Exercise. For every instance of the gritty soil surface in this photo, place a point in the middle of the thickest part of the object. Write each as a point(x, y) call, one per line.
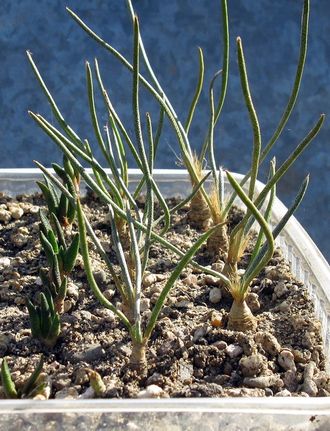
point(190, 354)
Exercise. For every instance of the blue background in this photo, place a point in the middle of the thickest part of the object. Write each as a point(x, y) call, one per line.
point(172, 30)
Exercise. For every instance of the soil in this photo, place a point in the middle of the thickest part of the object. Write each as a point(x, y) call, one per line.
point(190, 354)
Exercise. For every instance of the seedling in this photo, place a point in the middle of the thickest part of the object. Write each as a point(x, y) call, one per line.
point(96, 382)
point(35, 384)
point(57, 203)
point(61, 258)
point(129, 285)
point(133, 264)
point(238, 238)
point(240, 316)
point(44, 319)
point(45, 315)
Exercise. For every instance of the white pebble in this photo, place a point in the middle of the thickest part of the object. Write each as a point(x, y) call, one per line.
point(252, 365)
point(284, 393)
point(73, 291)
point(280, 289)
point(88, 394)
point(5, 216)
point(4, 262)
point(152, 391)
point(149, 280)
point(215, 295)
point(34, 209)
point(286, 360)
point(16, 212)
point(234, 350)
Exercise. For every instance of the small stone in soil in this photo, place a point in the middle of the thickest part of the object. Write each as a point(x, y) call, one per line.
point(16, 212)
point(185, 373)
point(263, 382)
point(100, 276)
point(221, 345)
point(183, 304)
point(290, 380)
point(252, 300)
point(155, 379)
point(245, 392)
point(210, 280)
point(91, 353)
point(152, 391)
point(5, 216)
point(199, 333)
point(286, 360)
point(38, 281)
point(252, 365)
point(73, 290)
point(268, 342)
point(190, 280)
point(218, 266)
point(234, 350)
point(67, 393)
point(149, 279)
point(284, 393)
point(4, 262)
point(215, 295)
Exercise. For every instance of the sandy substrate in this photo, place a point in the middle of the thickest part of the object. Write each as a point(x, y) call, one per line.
point(190, 354)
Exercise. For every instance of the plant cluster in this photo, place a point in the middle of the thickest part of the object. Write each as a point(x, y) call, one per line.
point(134, 231)
point(61, 258)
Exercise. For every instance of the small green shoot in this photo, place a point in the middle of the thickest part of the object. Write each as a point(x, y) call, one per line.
point(33, 386)
point(61, 258)
point(44, 319)
point(56, 201)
